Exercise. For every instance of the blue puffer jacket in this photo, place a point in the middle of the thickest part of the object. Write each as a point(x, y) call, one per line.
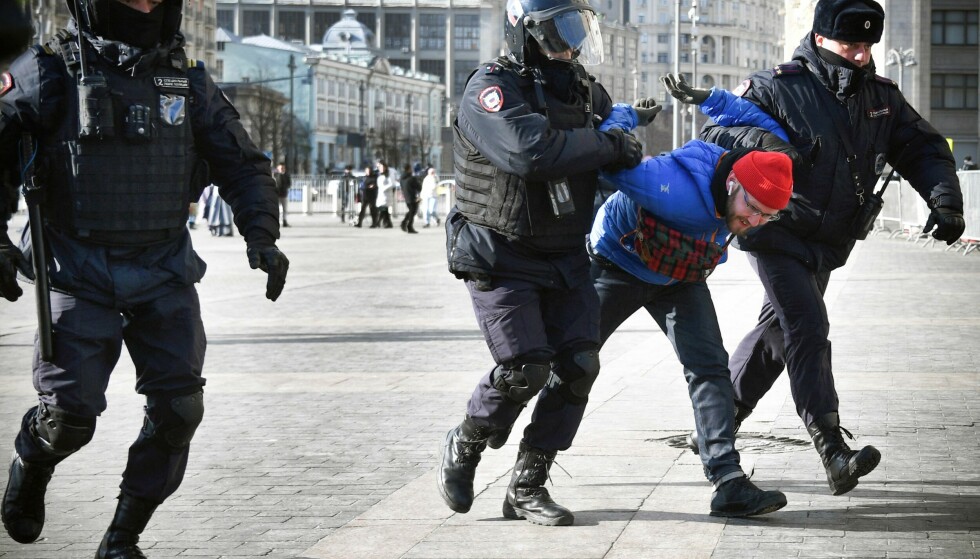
point(675, 187)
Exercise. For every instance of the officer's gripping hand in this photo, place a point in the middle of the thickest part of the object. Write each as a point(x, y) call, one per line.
point(647, 110)
point(273, 262)
point(680, 90)
point(12, 260)
point(948, 222)
point(628, 149)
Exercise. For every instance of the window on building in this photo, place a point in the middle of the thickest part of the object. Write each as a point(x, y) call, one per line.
point(461, 71)
point(398, 31)
point(432, 32)
point(954, 91)
point(255, 22)
point(226, 19)
point(955, 27)
point(663, 57)
point(466, 32)
point(404, 63)
point(369, 21)
point(321, 22)
point(291, 25)
point(663, 38)
point(435, 67)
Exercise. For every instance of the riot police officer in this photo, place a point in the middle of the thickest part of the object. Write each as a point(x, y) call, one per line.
point(526, 157)
point(120, 127)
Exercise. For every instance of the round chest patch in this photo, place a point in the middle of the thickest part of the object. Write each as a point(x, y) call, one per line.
point(491, 99)
point(6, 82)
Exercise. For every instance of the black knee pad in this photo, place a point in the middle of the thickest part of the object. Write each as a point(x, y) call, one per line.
point(521, 380)
point(59, 432)
point(575, 373)
point(171, 420)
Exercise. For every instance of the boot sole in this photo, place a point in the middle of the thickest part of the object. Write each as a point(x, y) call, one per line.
point(456, 507)
point(19, 538)
point(865, 462)
point(512, 513)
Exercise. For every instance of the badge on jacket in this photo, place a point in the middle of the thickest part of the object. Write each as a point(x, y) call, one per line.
point(491, 99)
point(742, 88)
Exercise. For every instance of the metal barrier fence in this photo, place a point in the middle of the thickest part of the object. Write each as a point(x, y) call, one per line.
point(326, 194)
point(905, 213)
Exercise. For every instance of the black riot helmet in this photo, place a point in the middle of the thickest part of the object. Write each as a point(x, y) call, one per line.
point(557, 26)
point(115, 21)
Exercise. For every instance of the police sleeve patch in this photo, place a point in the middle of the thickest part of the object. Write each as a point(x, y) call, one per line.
point(742, 88)
point(491, 99)
point(6, 83)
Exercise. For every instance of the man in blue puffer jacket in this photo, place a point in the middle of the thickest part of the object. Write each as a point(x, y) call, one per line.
point(655, 241)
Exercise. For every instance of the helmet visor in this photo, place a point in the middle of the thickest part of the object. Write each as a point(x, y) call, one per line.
point(572, 35)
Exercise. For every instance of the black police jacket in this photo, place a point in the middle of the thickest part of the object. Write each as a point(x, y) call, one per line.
point(883, 128)
point(512, 137)
point(40, 101)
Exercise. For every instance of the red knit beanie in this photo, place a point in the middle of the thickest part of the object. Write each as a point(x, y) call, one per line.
point(767, 176)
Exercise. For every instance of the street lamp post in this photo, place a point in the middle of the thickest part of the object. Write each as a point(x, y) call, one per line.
point(290, 156)
point(693, 15)
point(408, 134)
point(677, 72)
point(902, 58)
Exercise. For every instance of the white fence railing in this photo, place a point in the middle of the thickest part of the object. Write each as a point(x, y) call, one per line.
point(326, 194)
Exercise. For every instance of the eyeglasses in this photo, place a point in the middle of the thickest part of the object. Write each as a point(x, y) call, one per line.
point(755, 210)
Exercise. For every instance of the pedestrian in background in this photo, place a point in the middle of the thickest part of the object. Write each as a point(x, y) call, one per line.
point(386, 195)
point(411, 189)
point(844, 123)
point(369, 197)
point(120, 261)
point(968, 164)
point(283, 183)
point(527, 161)
point(429, 198)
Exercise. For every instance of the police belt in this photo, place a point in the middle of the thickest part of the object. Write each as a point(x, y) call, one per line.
point(601, 261)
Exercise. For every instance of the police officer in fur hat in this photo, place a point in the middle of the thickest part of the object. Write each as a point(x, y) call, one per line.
point(844, 123)
point(119, 129)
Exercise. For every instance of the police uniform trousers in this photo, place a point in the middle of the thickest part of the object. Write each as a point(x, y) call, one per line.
point(792, 332)
point(165, 338)
point(686, 314)
point(521, 318)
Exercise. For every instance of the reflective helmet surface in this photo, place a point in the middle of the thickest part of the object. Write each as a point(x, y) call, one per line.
point(557, 26)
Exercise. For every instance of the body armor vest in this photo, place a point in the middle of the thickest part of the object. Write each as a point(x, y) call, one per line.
point(515, 208)
point(129, 151)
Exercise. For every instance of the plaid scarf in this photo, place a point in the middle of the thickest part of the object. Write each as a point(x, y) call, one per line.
point(671, 253)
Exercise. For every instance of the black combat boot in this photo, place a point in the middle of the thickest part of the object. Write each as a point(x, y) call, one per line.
point(740, 497)
point(119, 542)
point(498, 437)
point(741, 414)
point(844, 466)
point(23, 501)
point(526, 495)
point(458, 458)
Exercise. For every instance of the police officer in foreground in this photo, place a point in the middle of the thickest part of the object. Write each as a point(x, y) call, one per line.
point(120, 127)
point(526, 156)
point(844, 123)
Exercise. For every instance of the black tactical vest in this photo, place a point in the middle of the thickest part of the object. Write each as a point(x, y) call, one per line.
point(492, 198)
point(128, 185)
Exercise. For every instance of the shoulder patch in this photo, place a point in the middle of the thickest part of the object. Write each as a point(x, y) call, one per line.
point(6, 83)
point(742, 88)
point(491, 98)
point(884, 80)
point(492, 68)
point(195, 63)
point(788, 69)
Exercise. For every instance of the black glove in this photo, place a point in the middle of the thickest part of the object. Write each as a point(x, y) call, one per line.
point(647, 109)
point(628, 149)
point(680, 90)
point(948, 222)
point(273, 262)
point(12, 260)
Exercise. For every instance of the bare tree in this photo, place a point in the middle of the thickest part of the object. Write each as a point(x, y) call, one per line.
point(422, 142)
point(388, 142)
point(262, 111)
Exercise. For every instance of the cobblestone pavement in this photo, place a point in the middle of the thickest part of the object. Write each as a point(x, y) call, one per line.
point(325, 411)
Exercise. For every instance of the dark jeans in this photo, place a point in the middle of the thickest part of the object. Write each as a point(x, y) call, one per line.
point(686, 314)
point(792, 332)
point(165, 339)
point(369, 202)
point(519, 319)
point(408, 222)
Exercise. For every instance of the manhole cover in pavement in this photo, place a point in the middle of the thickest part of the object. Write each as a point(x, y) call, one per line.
point(751, 442)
